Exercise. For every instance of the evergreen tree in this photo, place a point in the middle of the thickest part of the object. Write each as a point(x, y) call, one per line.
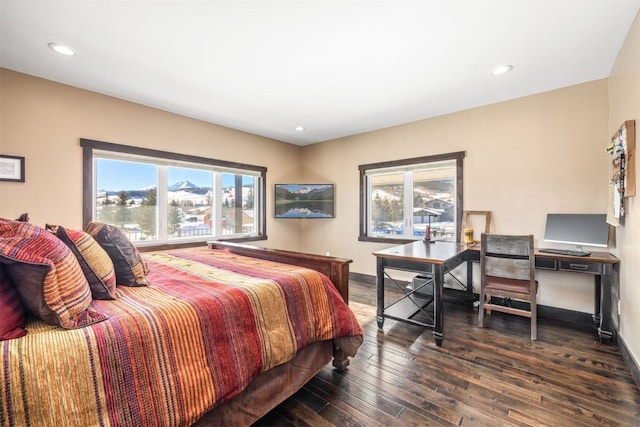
point(396, 212)
point(378, 213)
point(249, 202)
point(147, 218)
point(104, 210)
point(174, 217)
point(106, 214)
point(386, 211)
point(122, 215)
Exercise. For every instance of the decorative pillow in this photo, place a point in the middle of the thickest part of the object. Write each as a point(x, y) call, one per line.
point(129, 265)
point(46, 275)
point(12, 323)
point(94, 261)
point(22, 218)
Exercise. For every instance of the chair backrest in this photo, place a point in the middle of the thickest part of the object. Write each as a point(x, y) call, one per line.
point(507, 256)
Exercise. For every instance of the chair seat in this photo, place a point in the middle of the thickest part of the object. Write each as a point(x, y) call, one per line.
point(507, 285)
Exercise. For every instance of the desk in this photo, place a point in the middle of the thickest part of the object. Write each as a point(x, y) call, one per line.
point(419, 257)
point(436, 259)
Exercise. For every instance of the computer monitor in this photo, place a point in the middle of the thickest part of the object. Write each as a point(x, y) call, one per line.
point(577, 229)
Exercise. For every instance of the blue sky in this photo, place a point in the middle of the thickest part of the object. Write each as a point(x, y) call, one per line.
point(117, 175)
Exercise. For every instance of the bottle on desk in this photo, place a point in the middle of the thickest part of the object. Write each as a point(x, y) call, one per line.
point(468, 236)
point(427, 235)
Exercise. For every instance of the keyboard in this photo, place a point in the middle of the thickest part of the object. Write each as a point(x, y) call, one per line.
point(564, 252)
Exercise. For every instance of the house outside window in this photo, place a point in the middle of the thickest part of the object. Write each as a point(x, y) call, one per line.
point(401, 199)
point(161, 198)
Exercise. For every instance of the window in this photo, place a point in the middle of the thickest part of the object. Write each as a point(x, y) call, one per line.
point(399, 199)
point(159, 198)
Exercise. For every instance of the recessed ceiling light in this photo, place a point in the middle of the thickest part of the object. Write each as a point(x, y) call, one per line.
point(501, 69)
point(61, 49)
point(300, 128)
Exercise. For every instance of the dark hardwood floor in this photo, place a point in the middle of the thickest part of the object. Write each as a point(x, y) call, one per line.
point(479, 377)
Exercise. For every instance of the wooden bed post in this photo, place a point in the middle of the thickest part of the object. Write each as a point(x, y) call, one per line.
point(340, 359)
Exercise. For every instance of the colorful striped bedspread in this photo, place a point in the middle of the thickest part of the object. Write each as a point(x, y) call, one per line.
point(207, 325)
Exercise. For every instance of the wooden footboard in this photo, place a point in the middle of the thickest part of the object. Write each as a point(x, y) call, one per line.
point(337, 269)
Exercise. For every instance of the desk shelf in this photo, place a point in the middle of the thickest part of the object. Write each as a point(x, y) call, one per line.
point(405, 309)
point(418, 296)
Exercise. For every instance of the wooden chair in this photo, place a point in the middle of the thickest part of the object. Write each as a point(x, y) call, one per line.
point(507, 270)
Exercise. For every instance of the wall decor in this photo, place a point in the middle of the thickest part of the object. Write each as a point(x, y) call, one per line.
point(295, 201)
point(11, 168)
point(622, 170)
point(467, 224)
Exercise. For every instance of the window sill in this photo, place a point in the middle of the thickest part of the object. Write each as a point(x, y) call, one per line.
point(193, 244)
point(385, 240)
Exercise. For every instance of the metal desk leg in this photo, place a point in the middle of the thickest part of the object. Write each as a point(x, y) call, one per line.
point(469, 277)
point(597, 298)
point(438, 293)
point(380, 292)
point(604, 282)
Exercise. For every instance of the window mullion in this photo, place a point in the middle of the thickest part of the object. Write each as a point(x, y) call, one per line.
point(163, 203)
point(94, 172)
point(408, 204)
point(216, 204)
point(369, 203)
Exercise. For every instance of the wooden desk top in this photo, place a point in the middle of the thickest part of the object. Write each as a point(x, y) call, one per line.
point(602, 257)
point(440, 252)
point(433, 253)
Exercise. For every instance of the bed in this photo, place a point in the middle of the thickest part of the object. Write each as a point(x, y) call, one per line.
point(217, 335)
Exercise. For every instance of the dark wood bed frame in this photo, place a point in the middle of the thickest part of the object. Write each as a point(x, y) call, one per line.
point(337, 269)
point(271, 388)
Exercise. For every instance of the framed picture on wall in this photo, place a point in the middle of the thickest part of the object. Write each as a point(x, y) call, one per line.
point(622, 171)
point(11, 168)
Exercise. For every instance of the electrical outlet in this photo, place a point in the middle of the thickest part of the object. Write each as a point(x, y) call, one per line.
point(327, 253)
point(618, 307)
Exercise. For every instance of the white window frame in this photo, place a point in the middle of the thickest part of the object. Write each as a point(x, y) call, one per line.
point(407, 167)
point(92, 150)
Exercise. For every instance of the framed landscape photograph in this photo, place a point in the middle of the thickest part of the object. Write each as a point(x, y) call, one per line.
point(304, 201)
point(11, 168)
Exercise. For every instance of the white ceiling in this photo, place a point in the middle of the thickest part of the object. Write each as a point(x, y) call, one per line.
point(337, 68)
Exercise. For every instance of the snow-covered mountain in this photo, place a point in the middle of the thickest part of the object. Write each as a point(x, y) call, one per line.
point(301, 190)
point(311, 190)
point(180, 191)
point(183, 185)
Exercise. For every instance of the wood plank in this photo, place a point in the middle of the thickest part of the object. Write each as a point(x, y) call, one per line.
point(478, 377)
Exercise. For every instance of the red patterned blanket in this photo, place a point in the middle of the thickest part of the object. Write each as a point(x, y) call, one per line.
point(207, 325)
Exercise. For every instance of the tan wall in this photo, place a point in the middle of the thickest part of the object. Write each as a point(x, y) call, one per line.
point(524, 158)
point(624, 104)
point(44, 121)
